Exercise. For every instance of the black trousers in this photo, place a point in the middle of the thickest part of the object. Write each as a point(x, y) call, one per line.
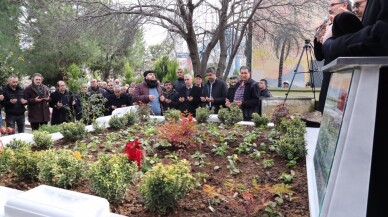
point(36, 125)
point(10, 121)
point(324, 89)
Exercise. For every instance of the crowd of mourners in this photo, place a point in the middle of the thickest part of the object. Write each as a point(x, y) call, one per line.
point(185, 94)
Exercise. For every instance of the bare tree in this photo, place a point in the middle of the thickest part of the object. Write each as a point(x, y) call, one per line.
point(205, 21)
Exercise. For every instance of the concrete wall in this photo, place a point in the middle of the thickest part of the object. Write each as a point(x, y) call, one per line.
point(298, 105)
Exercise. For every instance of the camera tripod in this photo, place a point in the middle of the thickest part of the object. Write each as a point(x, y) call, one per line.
point(312, 68)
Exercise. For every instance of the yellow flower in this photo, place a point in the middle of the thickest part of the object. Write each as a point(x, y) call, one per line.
point(77, 154)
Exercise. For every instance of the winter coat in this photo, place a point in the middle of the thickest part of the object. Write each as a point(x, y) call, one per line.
point(173, 96)
point(179, 83)
point(251, 98)
point(142, 92)
point(369, 41)
point(63, 113)
point(187, 105)
point(118, 102)
point(37, 111)
point(219, 93)
point(13, 108)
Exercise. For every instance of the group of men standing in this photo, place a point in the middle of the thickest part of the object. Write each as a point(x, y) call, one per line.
point(184, 95)
point(14, 99)
point(187, 95)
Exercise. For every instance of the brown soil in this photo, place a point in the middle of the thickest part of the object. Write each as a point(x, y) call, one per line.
point(197, 202)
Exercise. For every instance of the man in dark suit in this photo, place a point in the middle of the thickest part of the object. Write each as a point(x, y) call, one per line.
point(189, 96)
point(214, 91)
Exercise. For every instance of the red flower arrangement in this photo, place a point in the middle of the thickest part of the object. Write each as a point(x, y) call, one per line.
point(6, 131)
point(134, 152)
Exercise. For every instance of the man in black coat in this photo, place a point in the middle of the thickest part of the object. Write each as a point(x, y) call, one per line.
point(179, 83)
point(14, 104)
point(117, 100)
point(171, 96)
point(189, 96)
point(214, 91)
point(246, 94)
point(372, 40)
point(62, 102)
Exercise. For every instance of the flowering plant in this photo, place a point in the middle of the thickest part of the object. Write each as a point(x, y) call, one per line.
point(134, 152)
point(179, 134)
point(7, 130)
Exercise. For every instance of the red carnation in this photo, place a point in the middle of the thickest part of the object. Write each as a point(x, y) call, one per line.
point(134, 152)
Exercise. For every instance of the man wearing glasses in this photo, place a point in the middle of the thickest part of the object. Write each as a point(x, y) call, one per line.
point(335, 5)
point(359, 7)
point(334, 9)
point(372, 40)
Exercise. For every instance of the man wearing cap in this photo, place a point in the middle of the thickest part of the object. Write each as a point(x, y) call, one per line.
point(198, 81)
point(286, 84)
point(214, 91)
point(149, 92)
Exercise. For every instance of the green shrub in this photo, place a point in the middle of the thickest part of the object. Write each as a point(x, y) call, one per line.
point(61, 168)
point(163, 186)
point(42, 139)
point(292, 144)
point(260, 120)
point(97, 127)
point(131, 117)
point(6, 155)
point(292, 127)
point(111, 175)
point(291, 147)
point(116, 122)
point(50, 128)
point(202, 114)
point(143, 112)
point(230, 116)
point(16, 144)
point(25, 163)
point(92, 107)
point(73, 131)
point(172, 115)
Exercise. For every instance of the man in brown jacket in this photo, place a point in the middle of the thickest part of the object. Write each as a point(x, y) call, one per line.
point(37, 96)
point(149, 92)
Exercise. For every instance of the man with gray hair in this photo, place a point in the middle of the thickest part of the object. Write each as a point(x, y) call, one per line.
point(95, 89)
point(37, 96)
point(117, 100)
point(189, 96)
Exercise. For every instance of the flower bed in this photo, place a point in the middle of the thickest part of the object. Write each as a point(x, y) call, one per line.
point(236, 170)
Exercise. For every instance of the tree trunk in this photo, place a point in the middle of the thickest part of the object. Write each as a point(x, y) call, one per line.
point(281, 61)
point(223, 54)
point(248, 46)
